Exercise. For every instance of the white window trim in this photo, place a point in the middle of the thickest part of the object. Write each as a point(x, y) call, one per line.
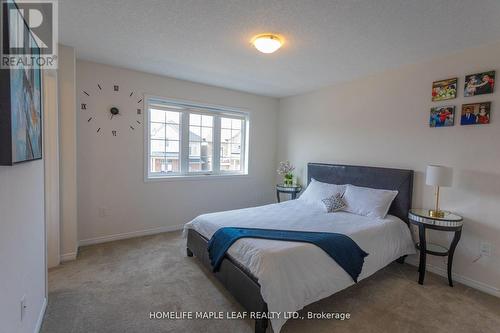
point(199, 108)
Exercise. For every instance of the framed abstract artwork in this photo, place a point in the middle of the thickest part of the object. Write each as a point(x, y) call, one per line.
point(479, 84)
point(444, 89)
point(442, 116)
point(20, 105)
point(475, 113)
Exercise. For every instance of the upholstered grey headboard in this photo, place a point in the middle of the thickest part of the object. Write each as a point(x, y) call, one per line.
point(374, 177)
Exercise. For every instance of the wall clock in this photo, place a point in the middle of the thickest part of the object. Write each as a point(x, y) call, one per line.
point(105, 105)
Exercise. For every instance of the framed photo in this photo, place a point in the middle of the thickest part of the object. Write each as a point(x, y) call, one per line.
point(442, 116)
point(475, 114)
point(20, 104)
point(479, 84)
point(444, 90)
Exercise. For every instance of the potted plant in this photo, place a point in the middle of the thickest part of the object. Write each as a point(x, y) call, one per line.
point(285, 169)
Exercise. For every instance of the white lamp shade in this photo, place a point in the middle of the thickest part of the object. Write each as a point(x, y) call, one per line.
point(438, 175)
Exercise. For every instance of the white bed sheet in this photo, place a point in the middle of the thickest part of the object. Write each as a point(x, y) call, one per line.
point(292, 274)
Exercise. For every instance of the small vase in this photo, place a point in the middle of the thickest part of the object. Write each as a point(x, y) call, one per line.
point(288, 180)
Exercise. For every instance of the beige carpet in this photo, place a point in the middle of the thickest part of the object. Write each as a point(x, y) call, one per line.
point(112, 287)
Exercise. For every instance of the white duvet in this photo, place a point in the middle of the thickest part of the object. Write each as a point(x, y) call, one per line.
point(292, 274)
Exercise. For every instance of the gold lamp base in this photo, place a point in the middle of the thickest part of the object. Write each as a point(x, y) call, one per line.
point(436, 213)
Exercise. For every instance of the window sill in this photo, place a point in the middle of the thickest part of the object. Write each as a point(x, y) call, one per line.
point(149, 179)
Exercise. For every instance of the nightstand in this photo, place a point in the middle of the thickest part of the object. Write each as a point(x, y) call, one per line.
point(288, 189)
point(450, 223)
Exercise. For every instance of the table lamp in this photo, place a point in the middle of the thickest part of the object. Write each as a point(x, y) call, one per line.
point(437, 175)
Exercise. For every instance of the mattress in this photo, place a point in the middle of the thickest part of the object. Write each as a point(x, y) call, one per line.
point(292, 274)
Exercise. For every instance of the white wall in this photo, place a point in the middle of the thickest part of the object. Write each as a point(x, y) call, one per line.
point(382, 120)
point(110, 169)
point(67, 153)
point(22, 246)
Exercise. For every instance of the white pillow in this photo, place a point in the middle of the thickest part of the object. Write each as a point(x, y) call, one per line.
point(368, 201)
point(317, 191)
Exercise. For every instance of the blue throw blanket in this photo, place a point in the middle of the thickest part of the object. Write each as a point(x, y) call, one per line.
point(340, 247)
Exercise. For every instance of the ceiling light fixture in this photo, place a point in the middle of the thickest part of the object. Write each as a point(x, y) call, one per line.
point(267, 43)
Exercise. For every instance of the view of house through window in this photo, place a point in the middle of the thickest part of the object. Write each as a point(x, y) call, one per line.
point(185, 140)
point(200, 142)
point(164, 140)
point(230, 144)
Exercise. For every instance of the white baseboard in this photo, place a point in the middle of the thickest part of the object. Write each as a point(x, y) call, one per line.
point(39, 321)
point(459, 278)
point(125, 235)
point(68, 256)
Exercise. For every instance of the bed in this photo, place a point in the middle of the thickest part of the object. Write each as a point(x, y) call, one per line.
point(270, 276)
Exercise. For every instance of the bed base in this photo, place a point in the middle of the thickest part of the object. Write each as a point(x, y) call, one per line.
point(235, 278)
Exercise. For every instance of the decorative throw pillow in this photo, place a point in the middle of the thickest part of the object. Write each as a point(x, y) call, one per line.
point(334, 203)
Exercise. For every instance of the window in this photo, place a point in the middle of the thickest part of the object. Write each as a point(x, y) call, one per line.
point(230, 144)
point(189, 139)
point(165, 140)
point(200, 142)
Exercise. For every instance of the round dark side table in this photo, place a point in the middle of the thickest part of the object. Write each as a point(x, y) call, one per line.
point(293, 190)
point(450, 223)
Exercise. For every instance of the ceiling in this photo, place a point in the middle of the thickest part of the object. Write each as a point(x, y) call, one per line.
point(327, 41)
